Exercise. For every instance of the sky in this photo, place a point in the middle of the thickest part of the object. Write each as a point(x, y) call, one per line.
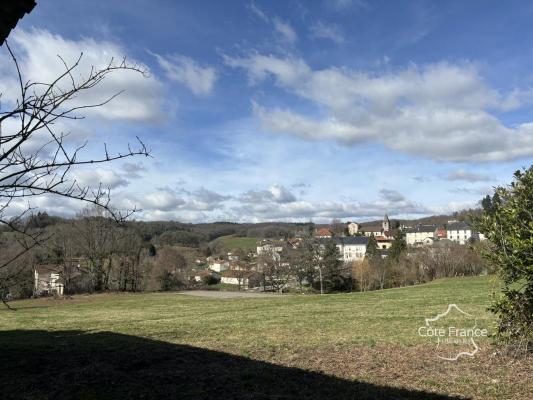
point(293, 110)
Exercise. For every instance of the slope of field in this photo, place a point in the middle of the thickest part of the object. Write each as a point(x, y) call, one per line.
point(362, 342)
point(233, 242)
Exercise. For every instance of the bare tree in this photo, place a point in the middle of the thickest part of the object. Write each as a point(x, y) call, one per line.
point(243, 266)
point(338, 227)
point(97, 239)
point(275, 268)
point(36, 159)
point(171, 268)
point(63, 251)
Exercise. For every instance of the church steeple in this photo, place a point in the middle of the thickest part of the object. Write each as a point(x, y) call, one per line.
point(386, 223)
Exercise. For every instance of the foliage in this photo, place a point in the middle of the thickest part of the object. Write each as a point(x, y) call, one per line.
point(372, 247)
point(210, 280)
point(225, 231)
point(507, 223)
point(183, 238)
point(168, 281)
point(398, 246)
point(304, 267)
point(335, 274)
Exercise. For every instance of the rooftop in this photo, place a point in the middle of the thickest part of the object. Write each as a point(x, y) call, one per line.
point(372, 228)
point(353, 240)
point(457, 226)
point(421, 228)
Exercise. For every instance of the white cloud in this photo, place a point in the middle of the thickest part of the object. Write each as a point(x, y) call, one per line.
point(343, 5)
point(94, 177)
point(258, 12)
point(463, 175)
point(203, 199)
point(439, 111)
point(166, 203)
point(161, 200)
point(517, 99)
point(391, 195)
point(133, 170)
point(199, 79)
point(278, 203)
point(285, 30)
point(277, 194)
point(38, 50)
point(323, 210)
point(322, 30)
point(477, 191)
point(422, 178)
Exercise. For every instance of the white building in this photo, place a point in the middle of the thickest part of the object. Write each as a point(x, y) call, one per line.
point(377, 230)
point(47, 281)
point(429, 241)
point(460, 232)
point(218, 265)
point(198, 276)
point(384, 243)
point(419, 234)
point(372, 230)
point(353, 228)
point(352, 248)
point(270, 247)
point(247, 279)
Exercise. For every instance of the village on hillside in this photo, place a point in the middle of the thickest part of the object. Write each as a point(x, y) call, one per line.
point(247, 270)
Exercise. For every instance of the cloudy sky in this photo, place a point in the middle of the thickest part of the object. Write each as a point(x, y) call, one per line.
point(294, 110)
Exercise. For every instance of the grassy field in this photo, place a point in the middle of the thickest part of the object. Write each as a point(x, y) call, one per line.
point(232, 242)
point(358, 343)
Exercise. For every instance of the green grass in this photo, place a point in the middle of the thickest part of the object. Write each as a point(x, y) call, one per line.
point(245, 325)
point(170, 345)
point(232, 242)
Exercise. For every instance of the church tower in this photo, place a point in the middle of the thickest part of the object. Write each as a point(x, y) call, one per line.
point(386, 223)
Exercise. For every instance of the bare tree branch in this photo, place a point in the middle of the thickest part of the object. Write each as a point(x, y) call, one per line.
point(37, 160)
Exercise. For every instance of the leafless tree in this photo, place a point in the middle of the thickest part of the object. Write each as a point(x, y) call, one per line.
point(243, 266)
point(338, 227)
point(170, 268)
point(62, 250)
point(36, 158)
point(15, 277)
point(97, 240)
point(276, 268)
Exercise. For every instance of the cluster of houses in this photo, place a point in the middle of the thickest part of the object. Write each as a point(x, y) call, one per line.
point(352, 246)
point(224, 270)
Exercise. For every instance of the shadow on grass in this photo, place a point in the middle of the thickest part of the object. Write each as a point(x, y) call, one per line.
point(82, 365)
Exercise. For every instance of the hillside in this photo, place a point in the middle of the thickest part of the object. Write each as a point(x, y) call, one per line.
point(232, 242)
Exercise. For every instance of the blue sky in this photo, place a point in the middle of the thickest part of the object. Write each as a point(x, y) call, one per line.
point(297, 110)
